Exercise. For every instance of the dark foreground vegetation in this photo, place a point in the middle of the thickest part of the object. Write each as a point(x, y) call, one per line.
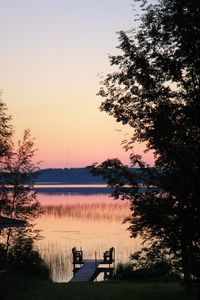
point(20, 287)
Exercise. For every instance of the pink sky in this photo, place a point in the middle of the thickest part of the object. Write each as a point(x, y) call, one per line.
point(51, 55)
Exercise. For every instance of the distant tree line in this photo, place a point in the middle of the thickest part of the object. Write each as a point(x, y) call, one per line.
point(69, 176)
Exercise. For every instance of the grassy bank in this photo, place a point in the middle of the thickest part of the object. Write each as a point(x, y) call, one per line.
point(26, 288)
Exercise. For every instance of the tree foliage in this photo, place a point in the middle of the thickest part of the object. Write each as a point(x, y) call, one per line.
point(17, 189)
point(5, 131)
point(156, 90)
point(18, 199)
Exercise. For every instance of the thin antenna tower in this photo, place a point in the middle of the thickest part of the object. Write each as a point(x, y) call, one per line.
point(67, 159)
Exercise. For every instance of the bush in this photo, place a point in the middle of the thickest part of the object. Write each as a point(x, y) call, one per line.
point(148, 263)
point(124, 271)
point(22, 257)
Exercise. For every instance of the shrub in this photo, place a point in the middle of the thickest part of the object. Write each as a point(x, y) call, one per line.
point(22, 257)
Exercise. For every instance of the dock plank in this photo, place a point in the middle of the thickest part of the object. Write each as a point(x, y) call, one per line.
point(87, 271)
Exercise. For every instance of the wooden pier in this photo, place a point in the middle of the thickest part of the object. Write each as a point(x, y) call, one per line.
point(85, 270)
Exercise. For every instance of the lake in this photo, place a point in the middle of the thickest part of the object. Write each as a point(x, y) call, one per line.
point(85, 217)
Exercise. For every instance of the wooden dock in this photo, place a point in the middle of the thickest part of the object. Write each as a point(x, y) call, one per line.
point(87, 272)
point(88, 269)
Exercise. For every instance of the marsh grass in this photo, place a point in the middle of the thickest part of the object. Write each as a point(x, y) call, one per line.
point(58, 261)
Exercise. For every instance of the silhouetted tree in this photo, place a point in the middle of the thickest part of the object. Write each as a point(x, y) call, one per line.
point(18, 199)
point(5, 131)
point(18, 195)
point(156, 90)
point(5, 140)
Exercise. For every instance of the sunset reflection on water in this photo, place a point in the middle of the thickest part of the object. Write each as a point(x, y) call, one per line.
point(91, 222)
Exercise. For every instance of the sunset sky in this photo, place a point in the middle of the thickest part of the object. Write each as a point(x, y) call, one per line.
point(51, 54)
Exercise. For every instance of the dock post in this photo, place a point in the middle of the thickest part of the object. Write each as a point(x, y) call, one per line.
point(95, 255)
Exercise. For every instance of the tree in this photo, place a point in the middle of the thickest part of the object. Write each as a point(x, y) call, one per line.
point(18, 199)
point(5, 131)
point(18, 195)
point(5, 139)
point(156, 90)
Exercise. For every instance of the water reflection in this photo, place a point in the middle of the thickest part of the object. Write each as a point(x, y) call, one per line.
point(92, 222)
point(75, 189)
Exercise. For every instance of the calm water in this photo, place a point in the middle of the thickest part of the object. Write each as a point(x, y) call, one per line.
point(84, 217)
